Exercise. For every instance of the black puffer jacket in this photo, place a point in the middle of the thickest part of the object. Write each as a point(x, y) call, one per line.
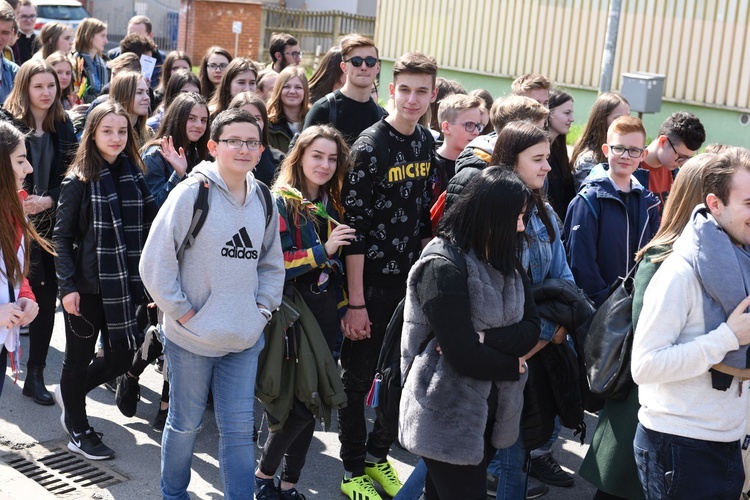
point(561, 302)
point(472, 159)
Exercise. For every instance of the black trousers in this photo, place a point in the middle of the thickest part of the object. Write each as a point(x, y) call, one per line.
point(358, 362)
point(40, 330)
point(290, 444)
point(80, 374)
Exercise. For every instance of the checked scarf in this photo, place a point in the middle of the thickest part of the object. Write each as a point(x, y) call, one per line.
point(120, 228)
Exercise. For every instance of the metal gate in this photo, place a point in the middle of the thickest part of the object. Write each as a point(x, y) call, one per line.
point(164, 15)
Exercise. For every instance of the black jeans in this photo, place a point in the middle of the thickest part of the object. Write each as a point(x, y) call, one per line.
point(40, 330)
point(290, 444)
point(358, 362)
point(80, 374)
point(324, 308)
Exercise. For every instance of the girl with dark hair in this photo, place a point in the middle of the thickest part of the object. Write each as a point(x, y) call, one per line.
point(180, 143)
point(182, 81)
point(466, 330)
point(34, 107)
point(240, 76)
point(588, 150)
point(213, 65)
point(487, 101)
point(130, 90)
point(287, 107)
point(271, 158)
point(560, 186)
point(525, 149)
point(17, 302)
point(328, 76)
point(174, 61)
point(312, 245)
point(104, 215)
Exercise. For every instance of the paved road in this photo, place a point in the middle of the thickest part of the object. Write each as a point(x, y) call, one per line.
point(27, 426)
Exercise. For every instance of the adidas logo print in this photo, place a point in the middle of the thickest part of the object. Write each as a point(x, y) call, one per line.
point(240, 246)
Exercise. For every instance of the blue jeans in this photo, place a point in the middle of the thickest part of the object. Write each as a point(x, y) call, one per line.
point(508, 467)
point(414, 485)
point(672, 466)
point(231, 378)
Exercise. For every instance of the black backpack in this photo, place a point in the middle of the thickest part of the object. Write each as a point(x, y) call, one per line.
point(200, 210)
point(385, 392)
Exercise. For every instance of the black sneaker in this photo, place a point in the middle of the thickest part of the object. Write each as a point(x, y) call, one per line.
point(89, 444)
point(127, 394)
point(547, 470)
point(266, 489)
point(159, 364)
point(111, 385)
point(160, 420)
point(291, 494)
point(491, 485)
point(536, 490)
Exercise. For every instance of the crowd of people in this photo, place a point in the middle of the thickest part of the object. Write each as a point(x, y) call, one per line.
point(254, 233)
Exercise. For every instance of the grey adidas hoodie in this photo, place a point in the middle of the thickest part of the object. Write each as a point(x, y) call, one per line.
point(235, 262)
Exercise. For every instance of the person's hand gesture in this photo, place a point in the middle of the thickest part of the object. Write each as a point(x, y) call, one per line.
point(341, 235)
point(30, 310)
point(10, 315)
point(177, 160)
point(739, 322)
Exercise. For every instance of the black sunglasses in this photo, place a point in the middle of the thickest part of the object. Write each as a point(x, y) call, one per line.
point(357, 61)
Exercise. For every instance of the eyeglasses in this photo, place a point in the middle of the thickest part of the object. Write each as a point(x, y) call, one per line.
point(357, 61)
point(621, 150)
point(238, 143)
point(296, 55)
point(470, 126)
point(214, 67)
point(680, 157)
point(27, 18)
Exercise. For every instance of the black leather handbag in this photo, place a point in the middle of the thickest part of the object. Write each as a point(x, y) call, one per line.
point(609, 342)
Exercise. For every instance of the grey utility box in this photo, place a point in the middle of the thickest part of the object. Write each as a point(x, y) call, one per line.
point(643, 90)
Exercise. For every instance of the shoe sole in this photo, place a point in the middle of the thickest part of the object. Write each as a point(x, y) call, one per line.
point(43, 402)
point(76, 449)
point(59, 401)
point(565, 484)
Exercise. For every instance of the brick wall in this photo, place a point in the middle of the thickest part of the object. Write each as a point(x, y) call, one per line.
point(204, 23)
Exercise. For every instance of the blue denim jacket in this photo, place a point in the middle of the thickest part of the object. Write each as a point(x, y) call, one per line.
point(544, 259)
point(9, 70)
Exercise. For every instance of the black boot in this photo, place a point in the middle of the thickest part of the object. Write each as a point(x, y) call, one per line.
point(34, 385)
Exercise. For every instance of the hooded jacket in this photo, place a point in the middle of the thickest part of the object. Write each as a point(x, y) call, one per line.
point(597, 232)
point(472, 159)
point(234, 263)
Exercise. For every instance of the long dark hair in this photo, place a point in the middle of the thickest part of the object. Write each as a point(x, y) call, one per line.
point(223, 93)
point(166, 72)
point(559, 148)
point(89, 161)
point(180, 78)
point(512, 140)
point(485, 217)
point(245, 98)
point(326, 75)
point(595, 132)
point(11, 210)
point(174, 124)
point(207, 87)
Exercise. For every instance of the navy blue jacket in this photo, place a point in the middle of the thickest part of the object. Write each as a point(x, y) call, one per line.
point(596, 232)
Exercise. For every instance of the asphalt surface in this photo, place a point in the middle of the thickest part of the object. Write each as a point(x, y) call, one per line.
point(25, 427)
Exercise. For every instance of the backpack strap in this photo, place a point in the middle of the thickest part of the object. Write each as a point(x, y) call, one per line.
point(267, 200)
point(447, 250)
point(331, 98)
point(200, 212)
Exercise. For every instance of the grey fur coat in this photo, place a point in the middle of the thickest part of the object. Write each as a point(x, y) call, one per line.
point(443, 414)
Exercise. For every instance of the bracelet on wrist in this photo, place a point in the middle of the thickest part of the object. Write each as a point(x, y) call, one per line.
point(363, 306)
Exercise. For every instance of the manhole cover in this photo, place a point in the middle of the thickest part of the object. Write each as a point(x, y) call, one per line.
point(60, 471)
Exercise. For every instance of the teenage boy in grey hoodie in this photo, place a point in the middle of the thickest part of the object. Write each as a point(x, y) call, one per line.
point(216, 300)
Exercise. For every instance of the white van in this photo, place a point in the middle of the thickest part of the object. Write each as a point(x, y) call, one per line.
point(70, 12)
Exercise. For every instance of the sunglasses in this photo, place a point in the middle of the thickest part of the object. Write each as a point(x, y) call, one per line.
point(357, 61)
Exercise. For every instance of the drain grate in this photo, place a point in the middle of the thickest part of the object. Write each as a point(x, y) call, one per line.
point(60, 471)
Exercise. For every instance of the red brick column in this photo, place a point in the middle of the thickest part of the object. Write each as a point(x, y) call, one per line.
point(204, 23)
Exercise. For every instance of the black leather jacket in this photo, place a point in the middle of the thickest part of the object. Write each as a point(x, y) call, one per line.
point(75, 243)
